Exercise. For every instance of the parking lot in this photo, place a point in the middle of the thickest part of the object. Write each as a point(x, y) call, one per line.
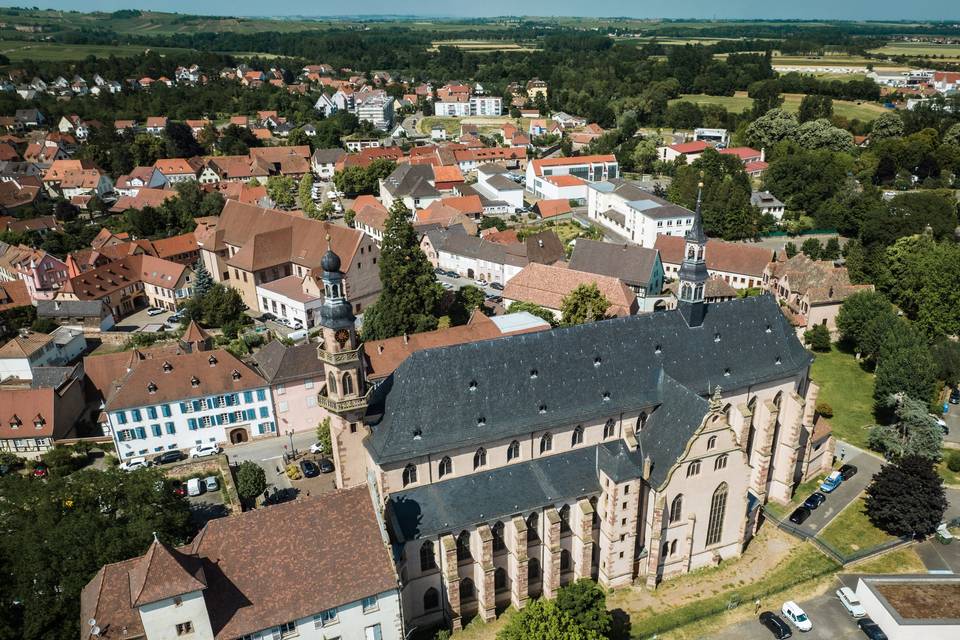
point(141, 319)
point(847, 492)
point(830, 619)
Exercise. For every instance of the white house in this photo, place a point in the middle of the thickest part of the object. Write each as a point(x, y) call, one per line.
point(692, 150)
point(635, 214)
point(289, 298)
point(493, 183)
point(323, 162)
point(325, 105)
point(461, 106)
point(178, 402)
point(767, 203)
point(264, 557)
point(32, 349)
point(540, 174)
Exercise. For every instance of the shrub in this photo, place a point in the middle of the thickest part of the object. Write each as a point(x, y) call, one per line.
point(953, 461)
point(818, 337)
point(824, 409)
point(251, 480)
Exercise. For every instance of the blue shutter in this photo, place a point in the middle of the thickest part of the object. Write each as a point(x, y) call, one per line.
point(152, 413)
point(248, 396)
point(121, 417)
point(249, 414)
point(156, 430)
point(141, 433)
point(171, 428)
point(192, 424)
point(219, 418)
point(261, 395)
point(264, 412)
point(196, 405)
point(232, 417)
point(137, 416)
point(166, 411)
point(183, 407)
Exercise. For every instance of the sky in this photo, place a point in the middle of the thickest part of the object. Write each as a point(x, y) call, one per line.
point(704, 9)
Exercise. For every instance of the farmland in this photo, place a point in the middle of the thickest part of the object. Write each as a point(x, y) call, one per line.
point(18, 50)
point(920, 50)
point(481, 46)
point(740, 101)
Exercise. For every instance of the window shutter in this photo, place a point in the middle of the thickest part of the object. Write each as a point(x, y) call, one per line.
point(192, 424)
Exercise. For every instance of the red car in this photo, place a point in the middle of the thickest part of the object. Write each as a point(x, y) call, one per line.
point(179, 489)
point(40, 472)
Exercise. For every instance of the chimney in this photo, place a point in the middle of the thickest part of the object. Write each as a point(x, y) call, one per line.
point(647, 467)
point(380, 348)
point(406, 338)
point(763, 154)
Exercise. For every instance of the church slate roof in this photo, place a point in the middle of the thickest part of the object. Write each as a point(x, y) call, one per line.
point(427, 404)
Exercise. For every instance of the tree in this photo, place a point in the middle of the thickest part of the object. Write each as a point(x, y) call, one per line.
point(831, 250)
point(946, 354)
point(584, 304)
point(814, 107)
point(906, 498)
point(888, 125)
point(281, 190)
point(727, 211)
point(349, 216)
point(305, 194)
point(115, 515)
point(811, 247)
point(771, 127)
point(324, 436)
point(586, 603)
point(915, 432)
point(904, 365)
point(818, 337)
point(952, 136)
point(219, 307)
point(534, 309)
point(766, 96)
point(202, 281)
point(180, 141)
point(857, 311)
point(821, 134)
point(251, 480)
point(790, 249)
point(410, 294)
point(544, 620)
point(644, 156)
point(465, 301)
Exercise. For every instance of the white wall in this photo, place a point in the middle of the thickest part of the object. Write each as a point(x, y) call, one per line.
point(160, 619)
point(284, 307)
point(352, 623)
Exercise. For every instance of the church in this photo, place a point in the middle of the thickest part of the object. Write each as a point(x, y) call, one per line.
point(626, 450)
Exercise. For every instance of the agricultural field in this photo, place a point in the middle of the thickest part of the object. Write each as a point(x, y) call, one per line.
point(18, 50)
point(920, 49)
point(740, 101)
point(481, 46)
point(485, 124)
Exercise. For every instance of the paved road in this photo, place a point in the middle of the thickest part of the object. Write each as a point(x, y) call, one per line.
point(952, 418)
point(847, 492)
point(268, 453)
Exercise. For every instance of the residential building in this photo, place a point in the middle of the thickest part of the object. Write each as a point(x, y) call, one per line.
point(43, 272)
point(810, 291)
point(690, 150)
point(767, 203)
point(176, 170)
point(132, 283)
point(180, 401)
point(548, 285)
point(640, 269)
point(414, 184)
point(635, 214)
point(323, 162)
point(376, 108)
point(738, 264)
point(371, 217)
point(140, 178)
point(285, 161)
point(470, 159)
point(558, 451)
point(584, 168)
point(554, 209)
point(468, 105)
point(28, 350)
point(182, 249)
point(13, 294)
point(72, 178)
point(716, 136)
point(295, 375)
point(332, 542)
point(37, 415)
point(156, 125)
point(493, 183)
point(250, 246)
point(91, 316)
point(480, 259)
point(292, 298)
point(325, 105)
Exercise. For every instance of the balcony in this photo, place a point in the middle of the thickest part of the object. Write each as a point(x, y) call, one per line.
point(341, 357)
point(343, 406)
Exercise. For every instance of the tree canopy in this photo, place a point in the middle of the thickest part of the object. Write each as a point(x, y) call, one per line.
point(584, 304)
point(906, 498)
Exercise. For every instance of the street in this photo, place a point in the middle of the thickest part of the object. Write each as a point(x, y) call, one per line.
point(847, 492)
point(952, 418)
point(269, 452)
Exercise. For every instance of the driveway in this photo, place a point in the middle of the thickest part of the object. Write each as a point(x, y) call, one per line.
point(269, 452)
point(847, 492)
point(206, 507)
point(830, 620)
point(137, 321)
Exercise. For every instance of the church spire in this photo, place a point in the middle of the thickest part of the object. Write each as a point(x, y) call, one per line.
point(336, 312)
point(693, 271)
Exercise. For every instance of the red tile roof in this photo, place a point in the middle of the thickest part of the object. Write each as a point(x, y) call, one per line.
point(696, 146)
point(571, 162)
point(731, 257)
point(552, 208)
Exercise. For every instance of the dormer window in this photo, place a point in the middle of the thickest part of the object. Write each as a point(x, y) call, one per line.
point(769, 329)
point(543, 408)
point(38, 422)
point(235, 374)
point(778, 360)
point(167, 367)
point(481, 421)
point(473, 385)
point(152, 388)
point(15, 422)
point(657, 350)
point(212, 360)
point(597, 361)
point(716, 337)
point(194, 381)
point(726, 373)
point(533, 374)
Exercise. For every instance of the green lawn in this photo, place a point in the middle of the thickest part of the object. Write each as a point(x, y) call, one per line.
point(852, 531)
point(848, 389)
point(949, 477)
point(791, 102)
point(903, 560)
point(919, 49)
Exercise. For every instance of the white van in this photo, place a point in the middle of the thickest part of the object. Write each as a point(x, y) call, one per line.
point(194, 487)
point(297, 335)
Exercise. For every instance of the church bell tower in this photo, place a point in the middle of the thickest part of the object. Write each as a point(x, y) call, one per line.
point(693, 271)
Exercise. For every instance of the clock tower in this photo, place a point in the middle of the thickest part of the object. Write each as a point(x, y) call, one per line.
point(343, 392)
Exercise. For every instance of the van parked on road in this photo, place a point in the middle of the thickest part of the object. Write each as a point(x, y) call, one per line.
point(194, 487)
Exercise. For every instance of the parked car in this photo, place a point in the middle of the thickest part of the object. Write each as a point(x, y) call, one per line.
point(453, 274)
point(440, 272)
point(267, 316)
point(847, 471)
point(309, 469)
point(175, 318)
point(482, 282)
point(134, 463)
point(799, 514)
point(851, 602)
point(194, 487)
point(154, 311)
point(496, 285)
point(210, 483)
point(955, 396)
point(167, 457)
point(316, 447)
point(942, 424)
point(792, 612)
point(204, 450)
point(776, 625)
point(179, 488)
point(446, 285)
point(326, 466)
point(40, 472)
point(832, 482)
point(871, 629)
point(814, 500)
point(943, 534)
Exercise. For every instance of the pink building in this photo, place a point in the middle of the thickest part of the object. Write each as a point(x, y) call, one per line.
point(43, 273)
point(295, 375)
